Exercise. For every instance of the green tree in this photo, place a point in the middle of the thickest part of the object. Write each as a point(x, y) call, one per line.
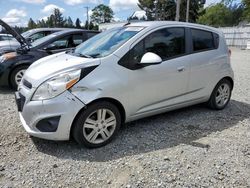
point(166, 9)
point(31, 24)
point(78, 23)
point(68, 22)
point(246, 11)
point(58, 18)
point(217, 15)
point(42, 23)
point(102, 14)
point(50, 21)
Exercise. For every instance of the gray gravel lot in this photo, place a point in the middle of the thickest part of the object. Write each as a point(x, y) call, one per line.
point(191, 147)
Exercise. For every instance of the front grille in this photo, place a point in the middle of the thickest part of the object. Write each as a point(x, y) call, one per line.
point(27, 84)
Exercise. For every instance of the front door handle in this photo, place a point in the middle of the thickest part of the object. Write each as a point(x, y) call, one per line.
point(181, 69)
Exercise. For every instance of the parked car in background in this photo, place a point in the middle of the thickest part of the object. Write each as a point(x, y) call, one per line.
point(123, 74)
point(4, 37)
point(30, 36)
point(14, 64)
point(35, 34)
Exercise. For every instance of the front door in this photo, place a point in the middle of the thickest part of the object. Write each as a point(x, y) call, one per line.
point(155, 87)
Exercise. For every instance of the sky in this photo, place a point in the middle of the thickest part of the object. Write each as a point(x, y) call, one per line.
point(18, 12)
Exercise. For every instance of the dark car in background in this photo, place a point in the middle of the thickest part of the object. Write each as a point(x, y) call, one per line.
point(30, 36)
point(14, 64)
point(35, 34)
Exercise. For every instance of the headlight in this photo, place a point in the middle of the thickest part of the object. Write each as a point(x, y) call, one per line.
point(7, 56)
point(56, 85)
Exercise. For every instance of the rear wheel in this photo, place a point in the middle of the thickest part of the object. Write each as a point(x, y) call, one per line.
point(221, 95)
point(97, 125)
point(17, 75)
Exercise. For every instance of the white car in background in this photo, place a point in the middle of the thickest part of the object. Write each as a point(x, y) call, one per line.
point(124, 74)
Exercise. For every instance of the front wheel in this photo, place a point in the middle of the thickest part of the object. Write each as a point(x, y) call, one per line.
point(221, 95)
point(97, 125)
point(17, 75)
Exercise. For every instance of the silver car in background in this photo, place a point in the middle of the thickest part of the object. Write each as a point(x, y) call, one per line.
point(123, 74)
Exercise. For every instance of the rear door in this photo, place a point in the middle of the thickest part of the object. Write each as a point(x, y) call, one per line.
point(204, 66)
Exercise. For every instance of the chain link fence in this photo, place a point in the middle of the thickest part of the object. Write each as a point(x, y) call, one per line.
point(237, 36)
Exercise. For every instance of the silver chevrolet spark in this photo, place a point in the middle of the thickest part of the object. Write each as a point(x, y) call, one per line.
point(123, 74)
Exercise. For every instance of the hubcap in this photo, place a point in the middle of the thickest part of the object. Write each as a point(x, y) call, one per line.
point(222, 95)
point(99, 126)
point(19, 76)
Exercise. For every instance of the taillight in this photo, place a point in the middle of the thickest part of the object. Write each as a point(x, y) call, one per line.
point(229, 52)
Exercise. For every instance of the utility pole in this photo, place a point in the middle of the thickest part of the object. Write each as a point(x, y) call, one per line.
point(156, 11)
point(87, 8)
point(178, 3)
point(187, 11)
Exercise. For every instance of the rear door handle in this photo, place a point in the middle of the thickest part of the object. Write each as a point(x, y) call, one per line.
point(181, 69)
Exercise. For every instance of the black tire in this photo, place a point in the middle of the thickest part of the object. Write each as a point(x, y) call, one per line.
point(78, 126)
point(13, 83)
point(212, 101)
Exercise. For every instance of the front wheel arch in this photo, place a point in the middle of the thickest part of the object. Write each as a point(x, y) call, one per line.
point(111, 100)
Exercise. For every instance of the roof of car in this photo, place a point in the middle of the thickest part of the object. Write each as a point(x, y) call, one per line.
point(164, 23)
point(4, 34)
point(47, 29)
point(68, 31)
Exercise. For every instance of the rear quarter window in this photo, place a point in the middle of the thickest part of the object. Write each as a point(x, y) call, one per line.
point(203, 40)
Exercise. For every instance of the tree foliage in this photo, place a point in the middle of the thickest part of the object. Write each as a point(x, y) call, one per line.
point(31, 24)
point(102, 14)
point(56, 19)
point(78, 23)
point(220, 15)
point(246, 11)
point(166, 9)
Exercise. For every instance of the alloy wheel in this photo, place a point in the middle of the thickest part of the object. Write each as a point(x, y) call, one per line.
point(99, 126)
point(222, 95)
point(19, 76)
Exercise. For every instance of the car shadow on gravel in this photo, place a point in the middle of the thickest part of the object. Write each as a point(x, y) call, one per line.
point(162, 131)
point(6, 90)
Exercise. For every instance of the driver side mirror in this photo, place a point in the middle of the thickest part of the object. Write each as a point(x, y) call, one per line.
point(150, 58)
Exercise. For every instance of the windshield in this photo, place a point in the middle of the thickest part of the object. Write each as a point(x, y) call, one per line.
point(107, 42)
point(26, 34)
point(42, 40)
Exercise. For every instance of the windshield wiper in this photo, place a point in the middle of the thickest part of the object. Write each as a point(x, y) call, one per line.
point(70, 51)
point(83, 55)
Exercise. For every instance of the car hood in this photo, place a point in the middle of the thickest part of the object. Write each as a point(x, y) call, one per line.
point(49, 66)
point(15, 34)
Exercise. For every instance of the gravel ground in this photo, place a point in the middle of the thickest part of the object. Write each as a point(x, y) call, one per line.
point(191, 147)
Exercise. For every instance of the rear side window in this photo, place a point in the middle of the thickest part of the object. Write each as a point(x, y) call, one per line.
point(202, 40)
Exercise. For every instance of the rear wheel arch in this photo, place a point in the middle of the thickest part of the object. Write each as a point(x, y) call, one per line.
point(230, 80)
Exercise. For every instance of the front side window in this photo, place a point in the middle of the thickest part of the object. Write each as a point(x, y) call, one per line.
point(167, 43)
point(202, 40)
point(70, 41)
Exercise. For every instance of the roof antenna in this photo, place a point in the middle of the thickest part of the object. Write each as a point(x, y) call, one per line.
point(129, 19)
